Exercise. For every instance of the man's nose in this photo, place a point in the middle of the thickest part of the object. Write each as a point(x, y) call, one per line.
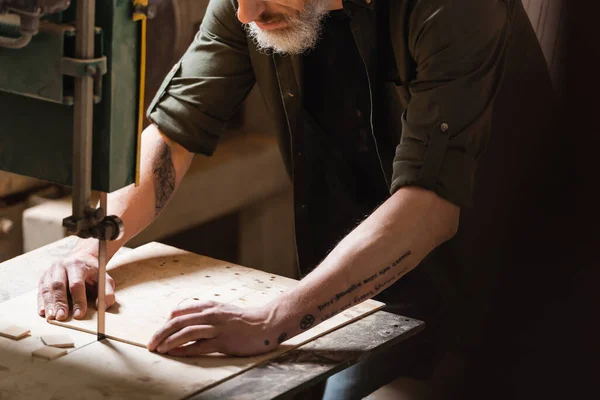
point(249, 10)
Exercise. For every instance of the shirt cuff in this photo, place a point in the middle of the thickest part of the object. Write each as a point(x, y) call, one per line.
point(196, 131)
point(437, 164)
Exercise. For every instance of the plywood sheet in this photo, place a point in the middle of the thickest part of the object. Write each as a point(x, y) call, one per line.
point(15, 355)
point(25, 271)
point(153, 279)
point(116, 370)
point(21, 274)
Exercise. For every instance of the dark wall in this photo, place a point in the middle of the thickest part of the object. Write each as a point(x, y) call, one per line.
point(574, 343)
point(549, 346)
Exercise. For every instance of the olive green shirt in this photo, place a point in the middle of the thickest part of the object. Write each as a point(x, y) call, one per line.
point(449, 60)
point(462, 77)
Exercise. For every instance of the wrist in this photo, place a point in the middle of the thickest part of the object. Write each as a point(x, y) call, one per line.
point(87, 246)
point(267, 317)
point(282, 318)
point(272, 321)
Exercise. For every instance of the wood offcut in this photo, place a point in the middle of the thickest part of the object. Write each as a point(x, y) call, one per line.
point(14, 332)
point(60, 341)
point(49, 353)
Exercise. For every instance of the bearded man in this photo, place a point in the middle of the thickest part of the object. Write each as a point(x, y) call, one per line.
point(384, 109)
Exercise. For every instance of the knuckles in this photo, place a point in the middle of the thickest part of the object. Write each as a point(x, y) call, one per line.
point(72, 262)
point(76, 285)
point(58, 286)
point(197, 307)
point(45, 290)
point(211, 316)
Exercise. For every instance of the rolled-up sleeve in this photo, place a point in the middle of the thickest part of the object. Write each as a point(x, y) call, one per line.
point(458, 48)
point(208, 85)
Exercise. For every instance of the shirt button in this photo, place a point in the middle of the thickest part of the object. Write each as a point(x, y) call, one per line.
point(291, 94)
point(444, 127)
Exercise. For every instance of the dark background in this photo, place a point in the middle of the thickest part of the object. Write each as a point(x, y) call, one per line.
point(551, 348)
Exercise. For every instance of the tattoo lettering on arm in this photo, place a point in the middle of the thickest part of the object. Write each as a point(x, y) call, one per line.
point(372, 278)
point(163, 177)
point(402, 257)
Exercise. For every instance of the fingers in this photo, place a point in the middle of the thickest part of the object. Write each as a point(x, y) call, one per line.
point(59, 294)
point(77, 277)
point(187, 335)
point(190, 308)
point(46, 294)
point(197, 349)
point(175, 325)
point(62, 278)
point(53, 293)
point(42, 292)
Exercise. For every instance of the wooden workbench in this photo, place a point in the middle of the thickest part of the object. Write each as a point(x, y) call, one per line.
point(282, 377)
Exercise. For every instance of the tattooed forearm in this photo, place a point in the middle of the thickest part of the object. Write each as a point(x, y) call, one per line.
point(164, 178)
point(338, 296)
point(372, 278)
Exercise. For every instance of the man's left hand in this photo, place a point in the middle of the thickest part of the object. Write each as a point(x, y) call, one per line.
point(209, 327)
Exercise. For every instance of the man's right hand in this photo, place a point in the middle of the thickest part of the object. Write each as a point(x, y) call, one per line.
point(77, 275)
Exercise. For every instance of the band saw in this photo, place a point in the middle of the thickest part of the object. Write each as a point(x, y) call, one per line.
point(71, 102)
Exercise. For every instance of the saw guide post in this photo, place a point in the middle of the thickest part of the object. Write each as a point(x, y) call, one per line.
point(151, 280)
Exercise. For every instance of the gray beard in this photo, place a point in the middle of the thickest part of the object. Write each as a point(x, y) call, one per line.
point(301, 34)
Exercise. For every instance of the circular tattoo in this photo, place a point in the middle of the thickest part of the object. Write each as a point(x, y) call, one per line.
point(267, 342)
point(282, 338)
point(307, 321)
